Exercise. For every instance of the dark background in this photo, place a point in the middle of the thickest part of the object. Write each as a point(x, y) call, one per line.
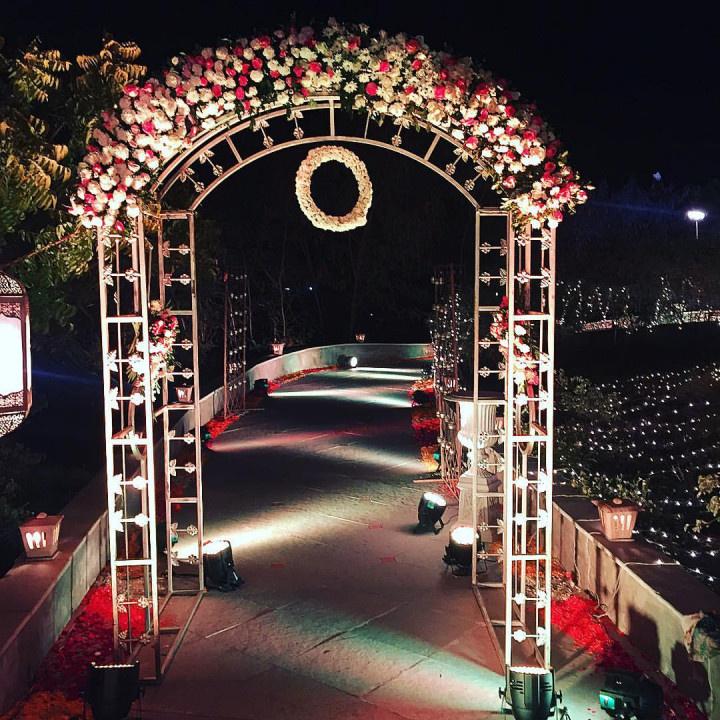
point(629, 87)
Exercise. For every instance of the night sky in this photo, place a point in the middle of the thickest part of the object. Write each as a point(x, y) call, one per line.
point(628, 87)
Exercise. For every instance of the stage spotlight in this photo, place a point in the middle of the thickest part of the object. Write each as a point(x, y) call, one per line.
point(219, 566)
point(631, 695)
point(430, 511)
point(347, 362)
point(112, 689)
point(458, 552)
point(531, 693)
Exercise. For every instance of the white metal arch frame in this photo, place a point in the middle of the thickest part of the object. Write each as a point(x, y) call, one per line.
point(180, 168)
point(523, 265)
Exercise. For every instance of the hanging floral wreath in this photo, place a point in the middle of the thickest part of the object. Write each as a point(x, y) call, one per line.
point(380, 75)
point(357, 217)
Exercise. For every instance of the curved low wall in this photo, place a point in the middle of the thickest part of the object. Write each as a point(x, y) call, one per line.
point(37, 599)
point(307, 359)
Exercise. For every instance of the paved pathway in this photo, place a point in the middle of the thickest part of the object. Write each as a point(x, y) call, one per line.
point(345, 613)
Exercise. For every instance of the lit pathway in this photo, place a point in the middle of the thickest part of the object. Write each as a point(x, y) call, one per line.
point(345, 612)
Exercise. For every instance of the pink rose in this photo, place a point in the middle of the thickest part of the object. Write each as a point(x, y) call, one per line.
point(371, 88)
point(315, 67)
point(439, 92)
point(384, 66)
point(412, 46)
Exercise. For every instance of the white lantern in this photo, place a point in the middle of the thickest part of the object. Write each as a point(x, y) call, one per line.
point(41, 535)
point(15, 374)
point(277, 346)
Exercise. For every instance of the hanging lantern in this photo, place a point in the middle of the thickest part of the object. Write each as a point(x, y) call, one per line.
point(15, 376)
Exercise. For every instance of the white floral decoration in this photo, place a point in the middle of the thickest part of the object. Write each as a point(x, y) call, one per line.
point(379, 74)
point(357, 217)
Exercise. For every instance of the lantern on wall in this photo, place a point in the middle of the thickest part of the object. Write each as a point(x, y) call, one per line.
point(15, 377)
point(41, 535)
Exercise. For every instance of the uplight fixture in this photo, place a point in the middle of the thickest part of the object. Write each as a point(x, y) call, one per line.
point(112, 689)
point(219, 566)
point(631, 695)
point(459, 550)
point(430, 511)
point(531, 693)
point(347, 362)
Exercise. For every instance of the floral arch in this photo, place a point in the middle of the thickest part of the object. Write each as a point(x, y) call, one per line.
point(171, 132)
point(382, 75)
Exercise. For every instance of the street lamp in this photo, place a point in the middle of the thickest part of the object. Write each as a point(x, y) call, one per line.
point(15, 375)
point(696, 216)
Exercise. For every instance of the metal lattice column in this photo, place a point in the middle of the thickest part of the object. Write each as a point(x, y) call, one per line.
point(129, 439)
point(236, 323)
point(529, 448)
point(178, 290)
point(490, 284)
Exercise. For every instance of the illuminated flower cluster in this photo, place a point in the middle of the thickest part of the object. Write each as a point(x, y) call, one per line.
point(525, 354)
point(393, 76)
point(357, 217)
point(163, 333)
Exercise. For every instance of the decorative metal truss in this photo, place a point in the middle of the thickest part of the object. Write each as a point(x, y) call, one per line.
point(218, 154)
point(235, 344)
point(129, 444)
point(512, 485)
point(520, 266)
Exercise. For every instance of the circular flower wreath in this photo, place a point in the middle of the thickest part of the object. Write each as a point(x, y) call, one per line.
point(379, 74)
point(357, 217)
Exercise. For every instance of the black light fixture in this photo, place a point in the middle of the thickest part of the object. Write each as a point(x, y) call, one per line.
point(430, 511)
point(631, 695)
point(530, 692)
point(459, 550)
point(347, 362)
point(219, 566)
point(112, 689)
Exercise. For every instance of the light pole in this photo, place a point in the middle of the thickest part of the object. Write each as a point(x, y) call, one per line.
point(696, 216)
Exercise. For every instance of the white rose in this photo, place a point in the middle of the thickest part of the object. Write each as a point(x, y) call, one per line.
point(256, 76)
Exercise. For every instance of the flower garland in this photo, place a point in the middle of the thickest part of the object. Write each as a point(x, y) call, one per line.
point(357, 217)
point(163, 332)
point(381, 75)
point(525, 353)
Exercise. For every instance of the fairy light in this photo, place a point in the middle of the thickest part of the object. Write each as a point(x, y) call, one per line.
point(586, 307)
point(658, 442)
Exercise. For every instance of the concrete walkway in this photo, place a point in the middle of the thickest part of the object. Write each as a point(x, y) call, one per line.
point(345, 613)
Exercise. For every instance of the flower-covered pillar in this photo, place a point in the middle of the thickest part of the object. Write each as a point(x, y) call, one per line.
point(129, 451)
